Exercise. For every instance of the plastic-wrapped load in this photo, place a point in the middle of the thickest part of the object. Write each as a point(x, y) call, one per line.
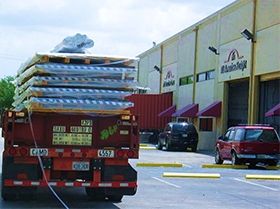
point(77, 81)
point(73, 93)
point(49, 104)
point(77, 70)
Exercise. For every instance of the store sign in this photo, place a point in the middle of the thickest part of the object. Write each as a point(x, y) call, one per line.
point(234, 62)
point(169, 77)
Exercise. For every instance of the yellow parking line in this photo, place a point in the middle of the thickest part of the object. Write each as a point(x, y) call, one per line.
point(224, 166)
point(159, 165)
point(143, 145)
point(148, 148)
point(192, 175)
point(273, 167)
point(263, 177)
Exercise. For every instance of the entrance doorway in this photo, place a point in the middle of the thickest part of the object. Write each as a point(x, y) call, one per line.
point(238, 103)
point(269, 98)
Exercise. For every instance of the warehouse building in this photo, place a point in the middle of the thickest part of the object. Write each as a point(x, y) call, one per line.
point(221, 71)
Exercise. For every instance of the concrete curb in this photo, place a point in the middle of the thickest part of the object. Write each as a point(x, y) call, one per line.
point(148, 148)
point(159, 165)
point(263, 177)
point(143, 145)
point(273, 167)
point(225, 166)
point(192, 175)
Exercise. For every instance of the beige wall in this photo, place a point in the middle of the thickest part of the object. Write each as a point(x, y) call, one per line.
point(170, 52)
point(185, 96)
point(207, 36)
point(235, 19)
point(186, 56)
point(204, 93)
point(154, 59)
point(143, 71)
point(154, 82)
point(267, 13)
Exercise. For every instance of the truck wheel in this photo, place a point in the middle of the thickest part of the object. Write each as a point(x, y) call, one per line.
point(159, 145)
point(273, 163)
point(218, 159)
point(235, 160)
point(115, 198)
point(96, 194)
point(168, 146)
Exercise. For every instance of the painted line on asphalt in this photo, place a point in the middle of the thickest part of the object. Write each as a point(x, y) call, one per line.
point(262, 177)
point(166, 182)
point(259, 185)
point(187, 165)
point(192, 175)
point(225, 166)
point(159, 165)
point(148, 148)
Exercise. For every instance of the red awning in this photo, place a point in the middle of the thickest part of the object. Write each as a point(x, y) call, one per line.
point(274, 111)
point(188, 111)
point(168, 112)
point(214, 110)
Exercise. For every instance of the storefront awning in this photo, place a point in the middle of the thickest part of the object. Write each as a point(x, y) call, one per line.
point(214, 110)
point(274, 111)
point(188, 111)
point(168, 112)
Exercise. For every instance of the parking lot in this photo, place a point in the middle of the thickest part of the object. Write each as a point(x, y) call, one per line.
point(231, 190)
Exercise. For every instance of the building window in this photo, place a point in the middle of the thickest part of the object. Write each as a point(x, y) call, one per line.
point(206, 124)
point(186, 80)
point(142, 91)
point(209, 75)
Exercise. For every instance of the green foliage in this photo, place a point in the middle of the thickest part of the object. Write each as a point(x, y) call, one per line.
point(7, 91)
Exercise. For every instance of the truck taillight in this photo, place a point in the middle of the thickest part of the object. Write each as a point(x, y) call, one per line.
point(84, 154)
point(120, 153)
point(23, 151)
point(72, 154)
point(130, 154)
point(12, 151)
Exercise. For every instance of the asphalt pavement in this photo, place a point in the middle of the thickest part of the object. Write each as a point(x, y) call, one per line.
point(231, 190)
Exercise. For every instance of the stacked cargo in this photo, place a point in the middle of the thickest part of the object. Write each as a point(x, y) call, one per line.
point(67, 82)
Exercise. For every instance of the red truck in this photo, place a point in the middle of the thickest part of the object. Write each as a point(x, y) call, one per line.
point(75, 150)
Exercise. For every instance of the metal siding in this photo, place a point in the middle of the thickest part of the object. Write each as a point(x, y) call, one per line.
point(148, 106)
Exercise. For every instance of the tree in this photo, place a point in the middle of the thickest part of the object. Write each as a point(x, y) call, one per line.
point(7, 92)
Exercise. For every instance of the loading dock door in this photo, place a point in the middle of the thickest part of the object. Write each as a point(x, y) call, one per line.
point(238, 103)
point(269, 97)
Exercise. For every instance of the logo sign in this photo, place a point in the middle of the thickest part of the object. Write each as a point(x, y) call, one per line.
point(169, 78)
point(234, 62)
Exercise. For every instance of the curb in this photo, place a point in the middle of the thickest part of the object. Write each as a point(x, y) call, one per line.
point(225, 166)
point(143, 145)
point(192, 175)
point(148, 148)
point(159, 165)
point(263, 177)
point(273, 167)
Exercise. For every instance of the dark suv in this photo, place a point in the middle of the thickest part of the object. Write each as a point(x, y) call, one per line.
point(248, 144)
point(179, 135)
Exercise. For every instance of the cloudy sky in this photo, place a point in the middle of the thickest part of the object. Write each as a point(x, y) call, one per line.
point(117, 27)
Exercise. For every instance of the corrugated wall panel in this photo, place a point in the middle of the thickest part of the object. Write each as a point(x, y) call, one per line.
point(148, 106)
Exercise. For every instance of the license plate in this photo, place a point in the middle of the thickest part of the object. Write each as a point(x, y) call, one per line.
point(106, 153)
point(185, 135)
point(41, 152)
point(80, 166)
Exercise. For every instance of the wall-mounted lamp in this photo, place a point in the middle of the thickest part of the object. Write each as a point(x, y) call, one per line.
point(248, 35)
point(158, 69)
point(213, 49)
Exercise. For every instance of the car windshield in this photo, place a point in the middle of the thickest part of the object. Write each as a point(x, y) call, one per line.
point(264, 135)
point(182, 127)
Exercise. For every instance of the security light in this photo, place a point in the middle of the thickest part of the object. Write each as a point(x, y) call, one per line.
point(248, 35)
point(157, 69)
point(213, 49)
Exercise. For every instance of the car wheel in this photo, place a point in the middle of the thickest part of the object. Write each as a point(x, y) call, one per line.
point(234, 159)
point(168, 146)
point(273, 163)
point(194, 148)
point(218, 159)
point(159, 145)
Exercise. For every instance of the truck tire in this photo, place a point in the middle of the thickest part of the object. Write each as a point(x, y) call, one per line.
point(115, 198)
point(194, 148)
point(96, 194)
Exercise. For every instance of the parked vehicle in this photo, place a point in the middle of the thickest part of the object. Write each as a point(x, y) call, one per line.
point(248, 144)
point(178, 135)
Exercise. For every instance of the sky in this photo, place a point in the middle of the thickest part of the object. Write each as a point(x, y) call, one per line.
point(117, 27)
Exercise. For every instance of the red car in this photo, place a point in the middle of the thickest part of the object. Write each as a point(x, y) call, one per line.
point(248, 144)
